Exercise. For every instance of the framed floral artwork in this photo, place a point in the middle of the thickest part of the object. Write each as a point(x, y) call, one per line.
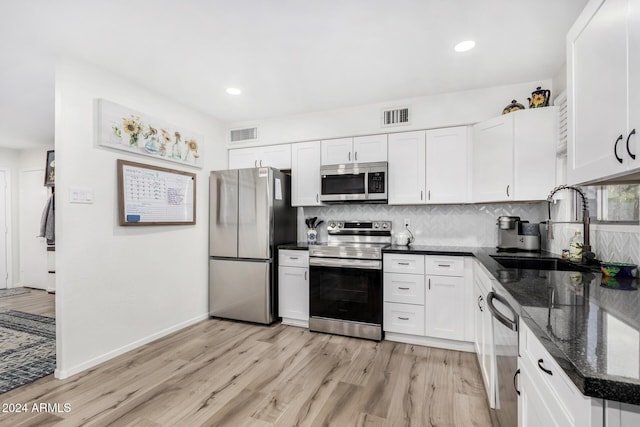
point(122, 128)
point(50, 169)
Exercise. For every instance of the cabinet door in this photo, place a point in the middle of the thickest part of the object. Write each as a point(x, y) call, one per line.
point(535, 408)
point(372, 148)
point(492, 163)
point(276, 156)
point(448, 165)
point(403, 318)
point(293, 293)
point(444, 307)
point(305, 174)
point(535, 144)
point(337, 151)
point(243, 158)
point(633, 127)
point(597, 92)
point(407, 168)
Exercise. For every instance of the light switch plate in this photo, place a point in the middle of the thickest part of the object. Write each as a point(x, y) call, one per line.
point(81, 195)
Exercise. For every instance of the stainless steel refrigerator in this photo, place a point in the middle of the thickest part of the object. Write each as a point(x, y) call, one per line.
point(250, 214)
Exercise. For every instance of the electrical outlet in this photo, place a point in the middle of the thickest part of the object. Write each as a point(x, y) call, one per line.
point(407, 223)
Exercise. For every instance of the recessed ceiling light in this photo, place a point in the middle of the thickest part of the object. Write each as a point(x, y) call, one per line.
point(233, 91)
point(464, 46)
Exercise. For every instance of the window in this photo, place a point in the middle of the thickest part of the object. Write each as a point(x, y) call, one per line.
point(614, 203)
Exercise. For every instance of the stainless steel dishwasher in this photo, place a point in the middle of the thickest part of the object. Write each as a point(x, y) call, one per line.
point(505, 350)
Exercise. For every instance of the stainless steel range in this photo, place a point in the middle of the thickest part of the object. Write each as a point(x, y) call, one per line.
point(345, 286)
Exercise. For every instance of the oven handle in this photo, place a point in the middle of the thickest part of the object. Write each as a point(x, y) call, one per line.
point(346, 263)
point(499, 316)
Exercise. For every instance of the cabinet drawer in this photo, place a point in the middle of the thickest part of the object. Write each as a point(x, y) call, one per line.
point(556, 383)
point(291, 258)
point(399, 263)
point(444, 265)
point(404, 318)
point(404, 288)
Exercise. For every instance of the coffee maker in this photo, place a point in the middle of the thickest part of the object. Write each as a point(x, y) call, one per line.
point(517, 235)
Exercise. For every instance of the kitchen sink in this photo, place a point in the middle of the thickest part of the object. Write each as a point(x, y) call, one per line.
point(554, 264)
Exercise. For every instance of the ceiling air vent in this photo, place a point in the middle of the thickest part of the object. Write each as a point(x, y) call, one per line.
point(395, 117)
point(243, 135)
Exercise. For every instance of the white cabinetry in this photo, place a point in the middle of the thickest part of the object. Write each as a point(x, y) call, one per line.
point(276, 156)
point(429, 166)
point(359, 149)
point(407, 168)
point(305, 174)
point(547, 395)
point(484, 331)
point(448, 165)
point(425, 300)
point(603, 68)
point(514, 156)
point(293, 287)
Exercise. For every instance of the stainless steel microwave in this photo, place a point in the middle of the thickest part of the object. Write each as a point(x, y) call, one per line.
point(356, 182)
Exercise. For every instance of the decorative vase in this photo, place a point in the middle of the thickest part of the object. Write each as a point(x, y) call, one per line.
point(539, 98)
point(152, 145)
point(514, 106)
point(312, 237)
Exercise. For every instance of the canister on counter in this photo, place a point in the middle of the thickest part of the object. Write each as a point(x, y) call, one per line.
point(565, 254)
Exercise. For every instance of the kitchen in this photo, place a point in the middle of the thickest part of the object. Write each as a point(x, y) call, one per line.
point(111, 294)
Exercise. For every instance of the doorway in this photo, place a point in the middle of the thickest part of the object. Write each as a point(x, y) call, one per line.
point(33, 249)
point(5, 225)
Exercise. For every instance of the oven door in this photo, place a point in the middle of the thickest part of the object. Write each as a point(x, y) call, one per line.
point(346, 289)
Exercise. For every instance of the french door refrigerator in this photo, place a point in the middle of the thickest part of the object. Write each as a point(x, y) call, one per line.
point(250, 214)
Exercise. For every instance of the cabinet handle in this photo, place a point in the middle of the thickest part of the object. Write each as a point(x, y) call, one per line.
point(255, 163)
point(403, 263)
point(615, 149)
point(260, 163)
point(515, 386)
point(508, 190)
point(403, 318)
point(317, 197)
point(305, 275)
point(349, 155)
point(480, 299)
point(421, 194)
point(429, 195)
point(355, 155)
point(444, 265)
point(429, 283)
point(545, 370)
point(404, 289)
point(293, 257)
point(633, 156)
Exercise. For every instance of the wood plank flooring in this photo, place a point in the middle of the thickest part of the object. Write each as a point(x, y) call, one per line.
point(223, 373)
point(37, 301)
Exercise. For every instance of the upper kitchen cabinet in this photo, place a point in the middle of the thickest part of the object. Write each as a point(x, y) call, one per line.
point(276, 156)
point(360, 149)
point(603, 66)
point(407, 168)
point(514, 156)
point(448, 164)
point(305, 174)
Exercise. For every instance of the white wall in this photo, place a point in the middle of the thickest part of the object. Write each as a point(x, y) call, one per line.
point(448, 109)
point(120, 287)
point(9, 160)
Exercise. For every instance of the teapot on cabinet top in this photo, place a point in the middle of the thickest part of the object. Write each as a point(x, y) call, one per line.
point(539, 98)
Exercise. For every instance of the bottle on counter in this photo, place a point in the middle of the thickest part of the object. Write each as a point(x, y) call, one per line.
point(575, 247)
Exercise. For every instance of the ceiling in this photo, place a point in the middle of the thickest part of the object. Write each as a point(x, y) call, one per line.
point(288, 56)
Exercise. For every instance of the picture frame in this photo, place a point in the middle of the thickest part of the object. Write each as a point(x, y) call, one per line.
point(50, 169)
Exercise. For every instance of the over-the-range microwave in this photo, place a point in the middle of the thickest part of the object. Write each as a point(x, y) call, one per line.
point(356, 182)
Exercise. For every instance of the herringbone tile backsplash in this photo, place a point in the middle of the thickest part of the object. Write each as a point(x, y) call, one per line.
point(475, 225)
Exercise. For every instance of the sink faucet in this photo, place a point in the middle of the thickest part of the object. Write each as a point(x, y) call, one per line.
point(586, 248)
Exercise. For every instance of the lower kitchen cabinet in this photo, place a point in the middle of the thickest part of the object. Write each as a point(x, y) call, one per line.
point(293, 287)
point(425, 300)
point(484, 331)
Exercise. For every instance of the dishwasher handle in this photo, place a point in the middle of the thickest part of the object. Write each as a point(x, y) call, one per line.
point(499, 316)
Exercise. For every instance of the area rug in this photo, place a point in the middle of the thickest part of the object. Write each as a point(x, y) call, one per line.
point(13, 292)
point(27, 348)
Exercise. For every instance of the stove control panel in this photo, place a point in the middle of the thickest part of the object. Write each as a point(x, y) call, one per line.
point(358, 226)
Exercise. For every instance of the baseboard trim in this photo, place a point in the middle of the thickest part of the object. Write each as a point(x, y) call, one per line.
point(295, 322)
point(66, 373)
point(431, 342)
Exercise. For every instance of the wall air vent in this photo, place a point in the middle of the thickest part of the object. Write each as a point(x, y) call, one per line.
point(243, 135)
point(395, 117)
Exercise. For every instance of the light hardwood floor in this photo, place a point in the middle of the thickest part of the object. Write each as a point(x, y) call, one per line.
point(35, 302)
point(223, 373)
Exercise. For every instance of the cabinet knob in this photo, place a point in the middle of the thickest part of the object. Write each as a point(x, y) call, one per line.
point(633, 156)
point(615, 149)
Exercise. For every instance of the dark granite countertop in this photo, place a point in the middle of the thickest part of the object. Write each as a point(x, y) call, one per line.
point(295, 246)
point(589, 324)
